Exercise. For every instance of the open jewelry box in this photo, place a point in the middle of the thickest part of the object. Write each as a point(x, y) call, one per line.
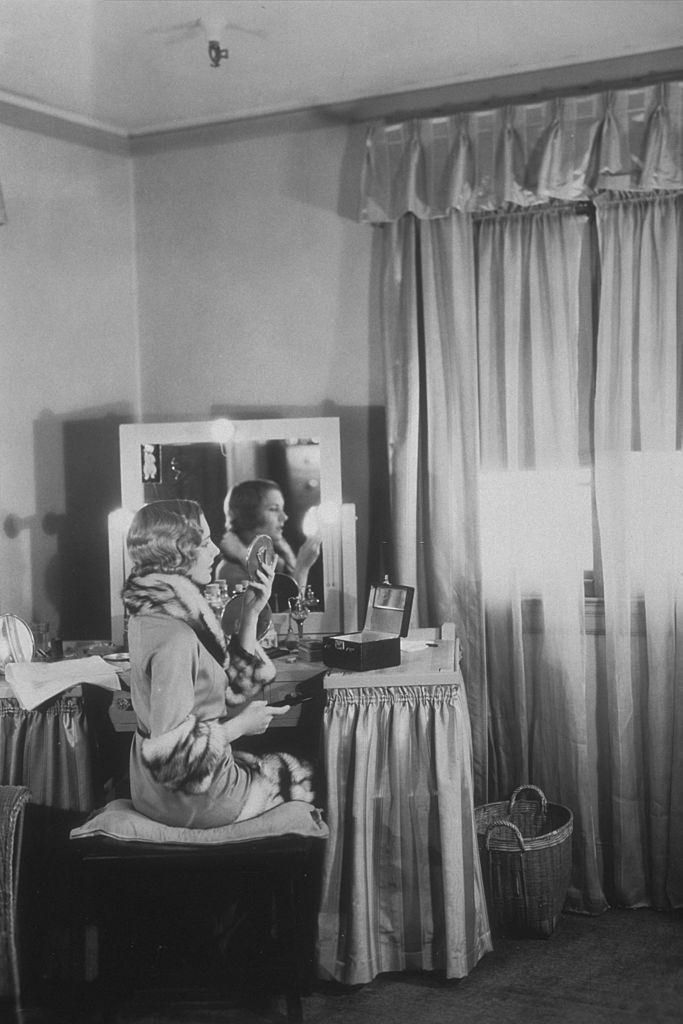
point(378, 644)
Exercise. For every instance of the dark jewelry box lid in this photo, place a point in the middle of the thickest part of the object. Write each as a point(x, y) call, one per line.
point(377, 645)
point(387, 614)
point(389, 609)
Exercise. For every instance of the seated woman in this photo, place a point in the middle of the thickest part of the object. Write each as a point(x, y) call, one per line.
point(194, 696)
point(256, 507)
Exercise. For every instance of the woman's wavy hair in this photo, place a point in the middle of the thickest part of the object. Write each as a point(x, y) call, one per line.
point(243, 504)
point(164, 537)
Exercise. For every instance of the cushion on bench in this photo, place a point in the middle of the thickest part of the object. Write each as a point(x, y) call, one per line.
point(119, 820)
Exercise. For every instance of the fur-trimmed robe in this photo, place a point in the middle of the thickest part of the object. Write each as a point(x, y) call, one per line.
point(184, 686)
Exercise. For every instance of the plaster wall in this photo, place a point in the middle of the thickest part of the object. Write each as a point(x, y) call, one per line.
point(221, 275)
point(255, 291)
point(68, 368)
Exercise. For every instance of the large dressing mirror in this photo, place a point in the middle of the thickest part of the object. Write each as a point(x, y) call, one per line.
point(205, 460)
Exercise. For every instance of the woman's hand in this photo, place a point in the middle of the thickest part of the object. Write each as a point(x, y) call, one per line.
point(258, 590)
point(252, 720)
point(254, 600)
point(308, 553)
point(306, 556)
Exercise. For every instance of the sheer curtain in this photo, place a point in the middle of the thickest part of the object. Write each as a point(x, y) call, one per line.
point(639, 494)
point(491, 507)
point(533, 507)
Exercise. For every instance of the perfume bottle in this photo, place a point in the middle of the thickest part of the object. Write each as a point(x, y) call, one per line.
point(291, 639)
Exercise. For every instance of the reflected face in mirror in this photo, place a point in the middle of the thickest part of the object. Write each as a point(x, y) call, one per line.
point(271, 516)
point(256, 507)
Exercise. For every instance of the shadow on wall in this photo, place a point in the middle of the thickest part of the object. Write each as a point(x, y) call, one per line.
point(365, 477)
point(79, 457)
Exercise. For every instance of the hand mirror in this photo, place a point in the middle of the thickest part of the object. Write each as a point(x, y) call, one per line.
point(261, 551)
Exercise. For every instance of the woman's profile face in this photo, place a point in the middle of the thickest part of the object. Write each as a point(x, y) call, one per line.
point(205, 556)
point(272, 516)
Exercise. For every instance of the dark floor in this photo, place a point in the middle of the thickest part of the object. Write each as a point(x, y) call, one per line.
point(625, 966)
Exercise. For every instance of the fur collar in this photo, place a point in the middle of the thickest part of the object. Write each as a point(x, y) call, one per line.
point(179, 597)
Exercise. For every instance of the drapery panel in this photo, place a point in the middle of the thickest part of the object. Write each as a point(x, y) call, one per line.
point(567, 148)
point(432, 422)
point(639, 496)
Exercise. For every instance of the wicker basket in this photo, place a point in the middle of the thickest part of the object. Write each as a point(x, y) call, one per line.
point(526, 857)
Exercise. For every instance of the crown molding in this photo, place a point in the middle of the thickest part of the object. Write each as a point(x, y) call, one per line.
point(34, 117)
point(543, 83)
point(524, 87)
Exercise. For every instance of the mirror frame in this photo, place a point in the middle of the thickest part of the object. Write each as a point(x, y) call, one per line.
point(338, 533)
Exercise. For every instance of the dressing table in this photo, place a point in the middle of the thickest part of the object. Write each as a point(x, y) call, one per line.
point(62, 749)
point(402, 886)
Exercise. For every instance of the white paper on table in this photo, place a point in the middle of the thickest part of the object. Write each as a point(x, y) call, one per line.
point(415, 645)
point(34, 682)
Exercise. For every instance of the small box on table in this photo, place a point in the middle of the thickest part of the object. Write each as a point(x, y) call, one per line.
point(378, 644)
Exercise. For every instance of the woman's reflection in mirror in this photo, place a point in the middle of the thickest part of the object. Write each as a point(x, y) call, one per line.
point(255, 507)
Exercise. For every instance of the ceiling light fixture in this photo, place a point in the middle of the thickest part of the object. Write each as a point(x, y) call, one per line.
point(216, 54)
point(213, 26)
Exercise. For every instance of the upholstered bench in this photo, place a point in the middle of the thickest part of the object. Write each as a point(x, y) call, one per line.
point(135, 870)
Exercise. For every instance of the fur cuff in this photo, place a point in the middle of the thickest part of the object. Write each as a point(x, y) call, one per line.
point(185, 758)
point(247, 673)
point(274, 779)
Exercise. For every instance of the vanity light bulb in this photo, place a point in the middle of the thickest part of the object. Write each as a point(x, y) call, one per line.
point(318, 517)
point(311, 522)
point(120, 519)
point(222, 431)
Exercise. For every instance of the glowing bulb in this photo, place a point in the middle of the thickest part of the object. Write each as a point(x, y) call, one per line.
point(120, 519)
point(213, 28)
point(318, 517)
point(222, 431)
point(311, 522)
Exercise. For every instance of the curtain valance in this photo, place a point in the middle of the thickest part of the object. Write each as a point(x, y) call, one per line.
point(567, 148)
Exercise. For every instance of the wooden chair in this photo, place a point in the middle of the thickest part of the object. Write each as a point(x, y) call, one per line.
point(13, 800)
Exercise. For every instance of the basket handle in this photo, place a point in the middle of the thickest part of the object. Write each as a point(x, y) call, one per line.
point(520, 789)
point(504, 823)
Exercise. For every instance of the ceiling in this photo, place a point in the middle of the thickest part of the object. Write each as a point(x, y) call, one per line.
point(133, 68)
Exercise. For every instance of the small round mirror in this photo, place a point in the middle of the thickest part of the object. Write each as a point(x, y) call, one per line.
point(16, 640)
point(261, 552)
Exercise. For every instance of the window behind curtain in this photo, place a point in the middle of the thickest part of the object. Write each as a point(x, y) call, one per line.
point(527, 506)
